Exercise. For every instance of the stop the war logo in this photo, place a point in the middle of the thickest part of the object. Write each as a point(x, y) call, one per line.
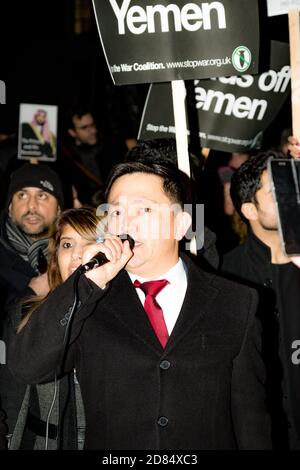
point(148, 41)
point(241, 58)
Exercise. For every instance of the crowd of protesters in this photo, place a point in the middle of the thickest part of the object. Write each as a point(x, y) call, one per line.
point(49, 228)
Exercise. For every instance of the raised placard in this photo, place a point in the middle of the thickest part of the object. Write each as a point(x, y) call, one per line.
point(147, 41)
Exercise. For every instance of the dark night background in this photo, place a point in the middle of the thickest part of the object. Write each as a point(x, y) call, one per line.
point(51, 54)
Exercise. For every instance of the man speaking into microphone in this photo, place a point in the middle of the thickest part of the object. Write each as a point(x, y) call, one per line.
point(167, 355)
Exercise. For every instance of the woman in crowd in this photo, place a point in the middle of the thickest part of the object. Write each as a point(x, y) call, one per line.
point(75, 229)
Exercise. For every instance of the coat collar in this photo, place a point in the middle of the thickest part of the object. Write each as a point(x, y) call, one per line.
point(257, 249)
point(124, 304)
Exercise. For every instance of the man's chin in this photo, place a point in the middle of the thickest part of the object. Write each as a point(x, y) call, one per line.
point(92, 142)
point(35, 232)
point(133, 263)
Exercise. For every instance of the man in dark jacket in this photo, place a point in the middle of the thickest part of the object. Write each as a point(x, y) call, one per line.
point(261, 263)
point(33, 202)
point(167, 355)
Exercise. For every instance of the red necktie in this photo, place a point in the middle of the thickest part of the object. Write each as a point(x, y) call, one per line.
point(153, 309)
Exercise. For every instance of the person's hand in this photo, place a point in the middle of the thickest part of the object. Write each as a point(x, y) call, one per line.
point(116, 252)
point(294, 146)
point(40, 285)
point(296, 260)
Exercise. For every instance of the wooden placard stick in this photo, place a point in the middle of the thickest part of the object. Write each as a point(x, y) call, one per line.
point(294, 31)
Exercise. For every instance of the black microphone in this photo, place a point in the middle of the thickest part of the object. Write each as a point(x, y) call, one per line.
point(99, 259)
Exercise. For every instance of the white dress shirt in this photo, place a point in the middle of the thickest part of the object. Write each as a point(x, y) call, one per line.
point(171, 297)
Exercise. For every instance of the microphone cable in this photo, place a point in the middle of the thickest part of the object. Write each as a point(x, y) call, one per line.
point(69, 316)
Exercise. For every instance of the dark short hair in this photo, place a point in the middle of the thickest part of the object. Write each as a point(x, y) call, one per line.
point(246, 181)
point(173, 180)
point(79, 112)
point(161, 151)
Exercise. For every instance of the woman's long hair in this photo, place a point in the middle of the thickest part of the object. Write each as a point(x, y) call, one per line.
point(85, 222)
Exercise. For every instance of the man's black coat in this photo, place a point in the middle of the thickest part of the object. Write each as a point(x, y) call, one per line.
point(204, 391)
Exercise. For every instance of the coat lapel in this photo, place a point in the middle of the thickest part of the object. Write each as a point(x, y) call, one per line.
point(124, 303)
point(199, 296)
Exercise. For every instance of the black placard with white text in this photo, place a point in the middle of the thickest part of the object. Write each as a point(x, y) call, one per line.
point(233, 111)
point(148, 41)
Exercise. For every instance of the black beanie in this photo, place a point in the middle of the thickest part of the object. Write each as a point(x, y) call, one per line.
point(36, 175)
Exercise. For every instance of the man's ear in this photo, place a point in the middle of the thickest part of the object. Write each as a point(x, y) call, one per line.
point(72, 133)
point(58, 210)
point(183, 222)
point(9, 210)
point(249, 210)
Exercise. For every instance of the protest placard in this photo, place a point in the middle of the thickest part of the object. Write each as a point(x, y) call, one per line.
point(160, 40)
point(280, 7)
point(232, 111)
point(291, 7)
point(37, 132)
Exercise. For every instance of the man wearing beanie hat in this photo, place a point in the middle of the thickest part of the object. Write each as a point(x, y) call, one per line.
point(34, 200)
point(37, 176)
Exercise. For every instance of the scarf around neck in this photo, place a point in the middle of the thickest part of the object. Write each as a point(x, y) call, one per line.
point(34, 252)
